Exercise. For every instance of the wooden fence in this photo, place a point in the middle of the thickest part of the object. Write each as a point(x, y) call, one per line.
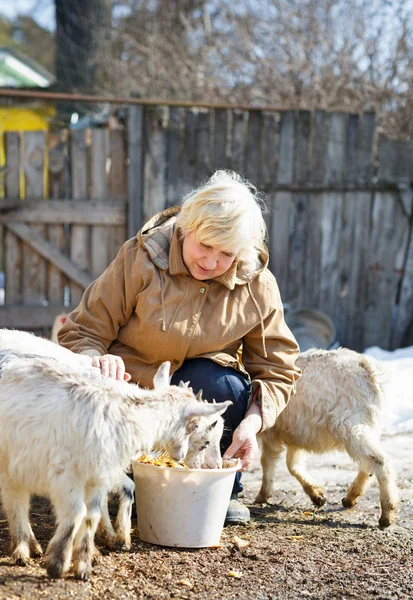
point(339, 201)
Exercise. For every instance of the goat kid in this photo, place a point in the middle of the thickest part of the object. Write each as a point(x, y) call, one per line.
point(203, 451)
point(337, 406)
point(69, 435)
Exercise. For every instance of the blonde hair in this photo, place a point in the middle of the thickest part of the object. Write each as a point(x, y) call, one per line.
point(226, 212)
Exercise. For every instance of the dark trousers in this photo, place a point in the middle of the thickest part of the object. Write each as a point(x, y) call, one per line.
point(219, 383)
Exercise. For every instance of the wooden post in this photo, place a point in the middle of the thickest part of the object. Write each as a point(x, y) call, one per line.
point(136, 152)
point(79, 234)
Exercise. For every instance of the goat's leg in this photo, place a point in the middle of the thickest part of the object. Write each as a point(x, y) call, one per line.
point(296, 466)
point(83, 548)
point(364, 449)
point(123, 519)
point(357, 488)
point(70, 508)
point(118, 538)
point(23, 543)
point(270, 452)
point(105, 528)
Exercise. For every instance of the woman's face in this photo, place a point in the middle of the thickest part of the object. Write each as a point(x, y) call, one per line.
point(205, 262)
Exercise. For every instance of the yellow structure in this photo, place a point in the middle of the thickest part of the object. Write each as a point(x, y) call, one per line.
point(23, 119)
point(20, 71)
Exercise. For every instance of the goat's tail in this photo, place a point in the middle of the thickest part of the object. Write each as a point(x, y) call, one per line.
point(378, 376)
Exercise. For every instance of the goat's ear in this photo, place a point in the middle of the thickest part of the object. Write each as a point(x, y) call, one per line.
point(183, 384)
point(161, 378)
point(192, 423)
point(205, 409)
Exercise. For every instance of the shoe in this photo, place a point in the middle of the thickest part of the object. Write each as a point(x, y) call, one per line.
point(237, 513)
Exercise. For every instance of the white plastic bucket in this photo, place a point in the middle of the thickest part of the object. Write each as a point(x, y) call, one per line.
point(182, 507)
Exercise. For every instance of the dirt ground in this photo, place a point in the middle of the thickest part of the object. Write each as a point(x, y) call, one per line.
point(293, 551)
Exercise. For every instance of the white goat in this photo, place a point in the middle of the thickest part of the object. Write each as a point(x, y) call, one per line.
point(337, 406)
point(203, 451)
point(69, 435)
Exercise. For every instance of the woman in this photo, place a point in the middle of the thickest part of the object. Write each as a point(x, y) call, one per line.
point(193, 288)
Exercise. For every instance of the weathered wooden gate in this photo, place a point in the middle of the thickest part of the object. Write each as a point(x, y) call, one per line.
point(53, 248)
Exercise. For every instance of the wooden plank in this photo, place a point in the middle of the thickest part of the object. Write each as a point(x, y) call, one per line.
point(359, 206)
point(136, 153)
point(366, 150)
point(99, 235)
point(297, 250)
point(269, 132)
point(331, 224)
point(221, 159)
point(336, 148)
point(203, 147)
point(300, 123)
point(302, 141)
point(238, 141)
point(253, 151)
point(395, 160)
point(12, 245)
point(33, 318)
point(45, 250)
point(13, 268)
point(285, 171)
point(341, 317)
point(312, 258)
point(58, 164)
point(403, 329)
point(79, 234)
point(56, 280)
point(403, 323)
point(269, 158)
point(387, 249)
point(92, 212)
point(12, 171)
point(188, 164)
point(279, 239)
point(118, 188)
point(314, 261)
point(34, 267)
point(351, 169)
point(321, 121)
point(154, 166)
point(174, 155)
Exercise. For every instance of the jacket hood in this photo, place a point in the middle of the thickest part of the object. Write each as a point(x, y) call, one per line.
point(159, 237)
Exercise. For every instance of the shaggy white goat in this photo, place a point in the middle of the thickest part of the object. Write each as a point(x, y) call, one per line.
point(69, 435)
point(337, 406)
point(203, 451)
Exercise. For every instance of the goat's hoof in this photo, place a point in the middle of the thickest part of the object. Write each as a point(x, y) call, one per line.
point(348, 502)
point(262, 499)
point(318, 501)
point(55, 571)
point(120, 545)
point(82, 570)
point(20, 559)
point(124, 547)
point(385, 521)
point(83, 574)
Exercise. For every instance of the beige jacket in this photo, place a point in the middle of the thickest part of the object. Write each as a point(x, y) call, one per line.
point(147, 309)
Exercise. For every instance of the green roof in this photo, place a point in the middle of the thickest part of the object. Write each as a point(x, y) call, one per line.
point(18, 70)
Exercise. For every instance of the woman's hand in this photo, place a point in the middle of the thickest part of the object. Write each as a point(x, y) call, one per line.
point(111, 367)
point(244, 441)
